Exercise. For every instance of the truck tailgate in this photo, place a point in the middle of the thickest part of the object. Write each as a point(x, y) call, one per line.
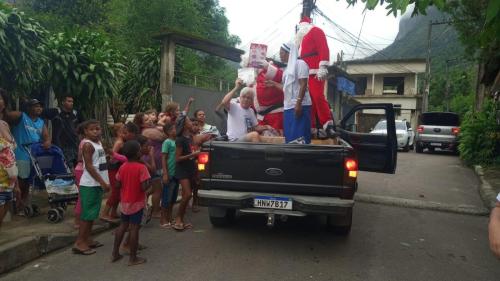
point(275, 168)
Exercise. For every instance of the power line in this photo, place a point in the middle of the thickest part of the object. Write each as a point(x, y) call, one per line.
point(353, 37)
point(273, 25)
point(360, 29)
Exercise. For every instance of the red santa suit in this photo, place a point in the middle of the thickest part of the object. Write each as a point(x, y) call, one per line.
point(314, 51)
point(269, 98)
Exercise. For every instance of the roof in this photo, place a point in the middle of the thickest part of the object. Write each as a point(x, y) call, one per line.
point(201, 44)
point(373, 61)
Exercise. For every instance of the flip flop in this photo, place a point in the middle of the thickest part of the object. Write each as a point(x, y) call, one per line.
point(96, 244)
point(137, 261)
point(166, 225)
point(115, 259)
point(182, 226)
point(87, 252)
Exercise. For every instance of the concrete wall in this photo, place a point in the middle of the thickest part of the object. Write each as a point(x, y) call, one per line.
point(386, 67)
point(206, 100)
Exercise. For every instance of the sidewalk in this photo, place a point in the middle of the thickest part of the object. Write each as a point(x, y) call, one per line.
point(490, 184)
point(25, 239)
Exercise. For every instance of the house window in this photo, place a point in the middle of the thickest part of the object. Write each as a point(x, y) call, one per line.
point(360, 86)
point(394, 86)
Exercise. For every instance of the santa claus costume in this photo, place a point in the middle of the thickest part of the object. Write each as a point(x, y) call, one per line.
point(314, 51)
point(268, 101)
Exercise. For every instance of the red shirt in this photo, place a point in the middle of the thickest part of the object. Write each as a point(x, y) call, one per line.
point(131, 175)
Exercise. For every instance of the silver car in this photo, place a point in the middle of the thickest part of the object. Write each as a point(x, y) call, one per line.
point(438, 130)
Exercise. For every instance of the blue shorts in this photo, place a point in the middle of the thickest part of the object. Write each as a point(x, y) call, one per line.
point(6, 197)
point(294, 128)
point(169, 193)
point(135, 218)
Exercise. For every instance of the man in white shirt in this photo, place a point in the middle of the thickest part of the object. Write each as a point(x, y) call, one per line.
point(241, 119)
point(494, 228)
point(297, 103)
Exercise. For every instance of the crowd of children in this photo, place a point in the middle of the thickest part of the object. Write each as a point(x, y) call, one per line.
point(150, 157)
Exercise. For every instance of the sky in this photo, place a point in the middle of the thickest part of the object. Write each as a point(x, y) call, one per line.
point(272, 22)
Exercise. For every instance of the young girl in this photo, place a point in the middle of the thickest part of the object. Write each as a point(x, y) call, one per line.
point(93, 183)
point(133, 179)
point(185, 168)
point(170, 183)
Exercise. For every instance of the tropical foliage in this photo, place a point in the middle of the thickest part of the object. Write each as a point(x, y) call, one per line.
point(141, 89)
point(480, 137)
point(21, 39)
point(84, 65)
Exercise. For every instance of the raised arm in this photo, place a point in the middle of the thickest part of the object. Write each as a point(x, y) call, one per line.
point(226, 101)
point(188, 105)
point(46, 137)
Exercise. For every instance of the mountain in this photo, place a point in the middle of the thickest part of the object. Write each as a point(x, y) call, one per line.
point(411, 41)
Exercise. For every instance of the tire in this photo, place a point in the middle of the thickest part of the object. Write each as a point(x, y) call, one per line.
point(406, 148)
point(340, 225)
point(419, 148)
point(53, 216)
point(221, 217)
point(29, 212)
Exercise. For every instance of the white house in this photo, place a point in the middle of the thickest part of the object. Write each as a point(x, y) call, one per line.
point(389, 81)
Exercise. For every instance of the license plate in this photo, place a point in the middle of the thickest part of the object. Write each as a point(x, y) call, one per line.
point(435, 144)
point(269, 202)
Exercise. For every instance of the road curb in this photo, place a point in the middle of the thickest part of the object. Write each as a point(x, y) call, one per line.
point(21, 251)
point(419, 204)
point(488, 195)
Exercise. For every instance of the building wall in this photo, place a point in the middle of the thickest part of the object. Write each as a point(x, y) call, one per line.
point(409, 88)
point(386, 67)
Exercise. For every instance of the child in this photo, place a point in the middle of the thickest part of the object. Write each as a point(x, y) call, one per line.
point(93, 182)
point(123, 133)
point(185, 167)
point(170, 183)
point(133, 179)
point(8, 169)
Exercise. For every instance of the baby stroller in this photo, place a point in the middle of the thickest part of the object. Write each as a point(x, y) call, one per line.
point(50, 172)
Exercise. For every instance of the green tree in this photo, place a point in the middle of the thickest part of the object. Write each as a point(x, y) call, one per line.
point(59, 15)
point(84, 65)
point(21, 39)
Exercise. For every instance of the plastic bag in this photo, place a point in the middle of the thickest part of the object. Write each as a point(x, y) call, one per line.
point(247, 74)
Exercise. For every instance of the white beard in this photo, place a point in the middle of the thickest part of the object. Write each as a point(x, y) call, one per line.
point(303, 29)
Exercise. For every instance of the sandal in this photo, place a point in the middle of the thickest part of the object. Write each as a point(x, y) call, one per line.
point(182, 226)
point(167, 225)
point(137, 261)
point(96, 244)
point(87, 252)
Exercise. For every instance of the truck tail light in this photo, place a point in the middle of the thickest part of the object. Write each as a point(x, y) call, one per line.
point(202, 160)
point(351, 166)
point(420, 129)
point(455, 130)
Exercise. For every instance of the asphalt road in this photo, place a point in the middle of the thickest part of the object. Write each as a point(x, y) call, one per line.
point(438, 177)
point(386, 243)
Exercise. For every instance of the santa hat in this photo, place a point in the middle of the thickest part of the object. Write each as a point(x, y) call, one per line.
point(306, 19)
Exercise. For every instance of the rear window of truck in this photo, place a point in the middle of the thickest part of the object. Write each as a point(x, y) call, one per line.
point(440, 119)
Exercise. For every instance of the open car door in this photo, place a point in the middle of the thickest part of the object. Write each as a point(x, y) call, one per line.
point(371, 130)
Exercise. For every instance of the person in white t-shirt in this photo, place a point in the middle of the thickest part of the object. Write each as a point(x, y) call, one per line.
point(494, 228)
point(241, 118)
point(297, 103)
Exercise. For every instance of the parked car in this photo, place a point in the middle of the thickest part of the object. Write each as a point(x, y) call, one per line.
point(281, 180)
point(438, 130)
point(404, 133)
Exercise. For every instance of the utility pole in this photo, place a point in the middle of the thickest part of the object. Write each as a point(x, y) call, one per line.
point(425, 98)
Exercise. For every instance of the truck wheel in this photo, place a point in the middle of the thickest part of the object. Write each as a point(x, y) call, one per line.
point(221, 217)
point(339, 225)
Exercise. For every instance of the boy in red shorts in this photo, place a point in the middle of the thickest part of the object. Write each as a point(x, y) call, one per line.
point(133, 180)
